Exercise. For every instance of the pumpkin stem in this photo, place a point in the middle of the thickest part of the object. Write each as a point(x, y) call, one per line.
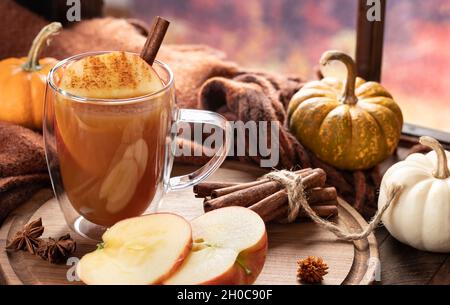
point(32, 63)
point(348, 96)
point(441, 171)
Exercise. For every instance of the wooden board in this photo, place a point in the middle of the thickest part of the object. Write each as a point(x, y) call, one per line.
point(349, 263)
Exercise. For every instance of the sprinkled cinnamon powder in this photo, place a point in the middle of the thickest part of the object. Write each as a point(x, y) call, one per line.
point(113, 73)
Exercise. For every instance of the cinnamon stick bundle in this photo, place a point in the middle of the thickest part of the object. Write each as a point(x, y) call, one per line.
point(250, 195)
point(269, 198)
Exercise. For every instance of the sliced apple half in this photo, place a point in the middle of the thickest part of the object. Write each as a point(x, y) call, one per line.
point(230, 246)
point(141, 250)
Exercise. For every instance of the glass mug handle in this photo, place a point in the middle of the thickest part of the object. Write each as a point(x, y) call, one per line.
point(208, 117)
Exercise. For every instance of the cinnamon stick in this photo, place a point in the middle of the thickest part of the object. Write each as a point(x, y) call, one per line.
point(270, 204)
point(231, 189)
point(316, 195)
point(204, 189)
point(227, 190)
point(154, 40)
point(245, 197)
point(334, 202)
point(248, 196)
point(269, 207)
point(321, 211)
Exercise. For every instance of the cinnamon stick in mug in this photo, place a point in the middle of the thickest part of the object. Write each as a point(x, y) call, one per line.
point(154, 40)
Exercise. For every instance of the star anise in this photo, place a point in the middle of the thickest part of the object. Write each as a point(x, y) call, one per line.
point(311, 269)
point(56, 251)
point(28, 238)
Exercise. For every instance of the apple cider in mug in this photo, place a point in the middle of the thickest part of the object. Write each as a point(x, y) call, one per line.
point(111, 158)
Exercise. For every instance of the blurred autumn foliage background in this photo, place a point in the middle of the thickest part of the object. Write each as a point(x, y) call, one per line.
point(289, 36)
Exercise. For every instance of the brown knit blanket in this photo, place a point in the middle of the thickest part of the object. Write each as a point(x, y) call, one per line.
point(204, 79)
point(22, 166)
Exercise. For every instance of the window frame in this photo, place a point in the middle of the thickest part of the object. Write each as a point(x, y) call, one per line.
point(369, 61)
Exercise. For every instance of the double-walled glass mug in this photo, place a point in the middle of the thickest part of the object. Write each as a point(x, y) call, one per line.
point(110, 159)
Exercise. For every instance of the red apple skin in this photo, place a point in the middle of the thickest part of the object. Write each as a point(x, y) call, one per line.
point(176, 266)
point(253, 258)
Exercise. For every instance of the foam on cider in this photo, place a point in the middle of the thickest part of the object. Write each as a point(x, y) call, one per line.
point(114, 75)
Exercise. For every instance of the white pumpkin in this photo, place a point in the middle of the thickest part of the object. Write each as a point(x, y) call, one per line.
point(421, 215)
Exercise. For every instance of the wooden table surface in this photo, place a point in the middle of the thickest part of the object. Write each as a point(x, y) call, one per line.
point(401, 264)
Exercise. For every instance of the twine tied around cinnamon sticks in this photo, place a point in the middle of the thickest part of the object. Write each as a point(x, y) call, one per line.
point(297, 201)
point(268, 198)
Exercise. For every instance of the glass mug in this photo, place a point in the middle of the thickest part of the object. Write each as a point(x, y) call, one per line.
point(111, 159)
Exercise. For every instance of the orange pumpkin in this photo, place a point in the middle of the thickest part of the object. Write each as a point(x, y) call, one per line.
point(23, 80)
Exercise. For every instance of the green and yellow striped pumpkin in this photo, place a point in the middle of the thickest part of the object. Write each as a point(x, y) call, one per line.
point(351, 124)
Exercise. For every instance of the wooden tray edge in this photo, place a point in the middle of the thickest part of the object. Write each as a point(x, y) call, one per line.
point(357, 276)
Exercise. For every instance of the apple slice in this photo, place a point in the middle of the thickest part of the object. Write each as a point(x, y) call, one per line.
point(113, 75)
point(230, 246)
point(140, 250)
point(127, 173)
